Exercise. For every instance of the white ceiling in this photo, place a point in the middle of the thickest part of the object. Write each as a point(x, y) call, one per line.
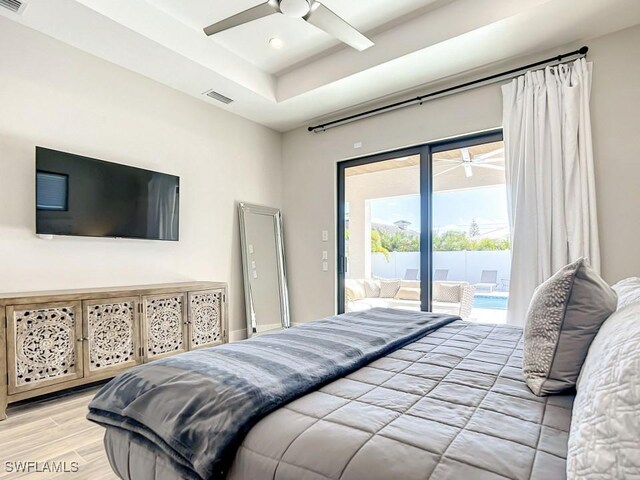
point(418, 42)
point(302, 40)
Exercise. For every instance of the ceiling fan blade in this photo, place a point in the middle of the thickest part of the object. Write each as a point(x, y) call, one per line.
point(491, 160)
point(447, 170)
point(468, 170)
point(323, 18)
point(254, 13)
point(492, 167)
point(484, 156)
point(448, 160)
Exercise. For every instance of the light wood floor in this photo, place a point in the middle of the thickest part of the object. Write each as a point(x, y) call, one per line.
point(54, 430)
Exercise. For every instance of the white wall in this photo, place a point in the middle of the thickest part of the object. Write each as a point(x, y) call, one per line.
point(310, 166)
point(462, 265)
point(56, 96)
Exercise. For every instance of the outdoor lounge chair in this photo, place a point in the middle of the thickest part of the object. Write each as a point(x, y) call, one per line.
point(440, 275)
point(411, 274)
point(488, 280)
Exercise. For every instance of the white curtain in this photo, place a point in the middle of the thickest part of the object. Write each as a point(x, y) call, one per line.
point(550, 177)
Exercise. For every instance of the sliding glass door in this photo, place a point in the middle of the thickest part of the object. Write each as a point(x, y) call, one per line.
point(380, 231)
point(390, 251)
point(471, 248)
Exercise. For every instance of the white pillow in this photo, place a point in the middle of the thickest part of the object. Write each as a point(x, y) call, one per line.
point(628, 291)
point(408, 293)
point(372, 288)
point(354, 290)
point(604, 440)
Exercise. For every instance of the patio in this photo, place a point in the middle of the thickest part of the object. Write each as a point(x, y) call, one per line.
point(478, 248)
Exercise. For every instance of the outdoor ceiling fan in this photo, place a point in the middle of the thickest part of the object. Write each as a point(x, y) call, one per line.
point(310, 11)
point(467, 161)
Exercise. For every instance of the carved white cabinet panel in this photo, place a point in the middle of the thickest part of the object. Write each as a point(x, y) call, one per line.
point(207, 325)
point(164, 325)
point(43, 345)
point(62, 339)
point(112, 335)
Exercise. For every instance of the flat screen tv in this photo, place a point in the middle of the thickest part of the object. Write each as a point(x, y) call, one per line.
point(83, 196)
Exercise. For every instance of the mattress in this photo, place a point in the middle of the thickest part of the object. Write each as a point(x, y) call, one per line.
point(450, 405)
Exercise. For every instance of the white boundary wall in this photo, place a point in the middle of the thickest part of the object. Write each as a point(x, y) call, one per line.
point(462, 265)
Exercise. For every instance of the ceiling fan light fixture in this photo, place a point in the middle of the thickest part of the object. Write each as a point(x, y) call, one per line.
point(276, 43)
point(311, 11)
point(295, 8)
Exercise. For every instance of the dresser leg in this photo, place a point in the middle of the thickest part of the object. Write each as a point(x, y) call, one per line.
point(4, 391)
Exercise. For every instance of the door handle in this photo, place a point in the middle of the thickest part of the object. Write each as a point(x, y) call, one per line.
point(343, 265)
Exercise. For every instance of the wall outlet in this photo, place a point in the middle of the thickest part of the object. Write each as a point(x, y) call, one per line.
point(325, 266)
point(357, 145)
point(325, 255)
point(325, 235)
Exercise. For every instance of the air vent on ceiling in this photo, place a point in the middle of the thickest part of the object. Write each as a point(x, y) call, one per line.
point(16, 6)
point(216, 96)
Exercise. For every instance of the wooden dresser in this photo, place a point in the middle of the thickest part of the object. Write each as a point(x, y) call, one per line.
point(61, 339)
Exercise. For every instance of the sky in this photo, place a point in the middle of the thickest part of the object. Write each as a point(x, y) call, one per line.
point(452, 210)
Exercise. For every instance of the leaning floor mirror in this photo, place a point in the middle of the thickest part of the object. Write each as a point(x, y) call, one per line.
point(265, 282)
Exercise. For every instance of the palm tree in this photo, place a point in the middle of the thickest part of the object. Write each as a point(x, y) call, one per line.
point(376, 245)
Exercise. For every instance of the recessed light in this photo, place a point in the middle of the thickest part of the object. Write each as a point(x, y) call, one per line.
point(276, 43)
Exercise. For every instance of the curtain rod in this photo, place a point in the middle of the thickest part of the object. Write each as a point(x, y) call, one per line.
point(463, 86)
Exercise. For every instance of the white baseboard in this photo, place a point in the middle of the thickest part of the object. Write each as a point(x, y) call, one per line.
point(235, 335)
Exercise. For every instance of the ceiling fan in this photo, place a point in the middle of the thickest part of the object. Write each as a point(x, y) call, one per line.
point(467, 161)
point(310, 11)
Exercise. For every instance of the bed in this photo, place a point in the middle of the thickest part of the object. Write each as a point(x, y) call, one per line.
point(440, 398)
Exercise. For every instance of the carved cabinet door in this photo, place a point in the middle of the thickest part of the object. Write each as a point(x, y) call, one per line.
point(44, 345)
point(207, 319)
point(112, 336)
point(164, 325)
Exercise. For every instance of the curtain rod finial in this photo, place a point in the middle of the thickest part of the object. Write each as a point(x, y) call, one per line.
point(583, 50)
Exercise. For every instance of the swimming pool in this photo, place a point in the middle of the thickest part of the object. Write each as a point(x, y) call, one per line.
point(489, 301)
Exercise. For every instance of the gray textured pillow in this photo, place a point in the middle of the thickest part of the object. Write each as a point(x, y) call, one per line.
point(449, 293)
point(389, 288)
point(564, 316)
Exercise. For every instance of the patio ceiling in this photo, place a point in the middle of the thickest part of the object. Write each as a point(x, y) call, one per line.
point(487, 167)
point(400, 162)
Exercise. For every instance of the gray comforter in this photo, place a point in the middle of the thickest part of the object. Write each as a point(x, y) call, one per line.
point(195, 408)
point(451, 405)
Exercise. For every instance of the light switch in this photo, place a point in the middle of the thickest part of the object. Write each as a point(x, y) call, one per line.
point(325, 266)
point(253, 264)
point(325, 235)
point(250, 248)
point(255, 274)
point(325, 255)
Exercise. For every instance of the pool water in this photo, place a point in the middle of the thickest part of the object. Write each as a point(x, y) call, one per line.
point(488, 301)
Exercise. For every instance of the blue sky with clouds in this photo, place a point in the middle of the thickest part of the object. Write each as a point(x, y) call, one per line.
point(451, 210)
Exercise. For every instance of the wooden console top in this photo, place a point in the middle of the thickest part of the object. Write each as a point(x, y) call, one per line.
point(22, 298)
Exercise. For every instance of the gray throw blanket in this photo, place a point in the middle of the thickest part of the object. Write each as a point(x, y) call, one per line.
point(198, 406)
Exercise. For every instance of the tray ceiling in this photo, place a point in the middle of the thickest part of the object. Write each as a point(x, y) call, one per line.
point(417, 43)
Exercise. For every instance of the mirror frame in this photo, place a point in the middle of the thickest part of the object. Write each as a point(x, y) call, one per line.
point(243, 210)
